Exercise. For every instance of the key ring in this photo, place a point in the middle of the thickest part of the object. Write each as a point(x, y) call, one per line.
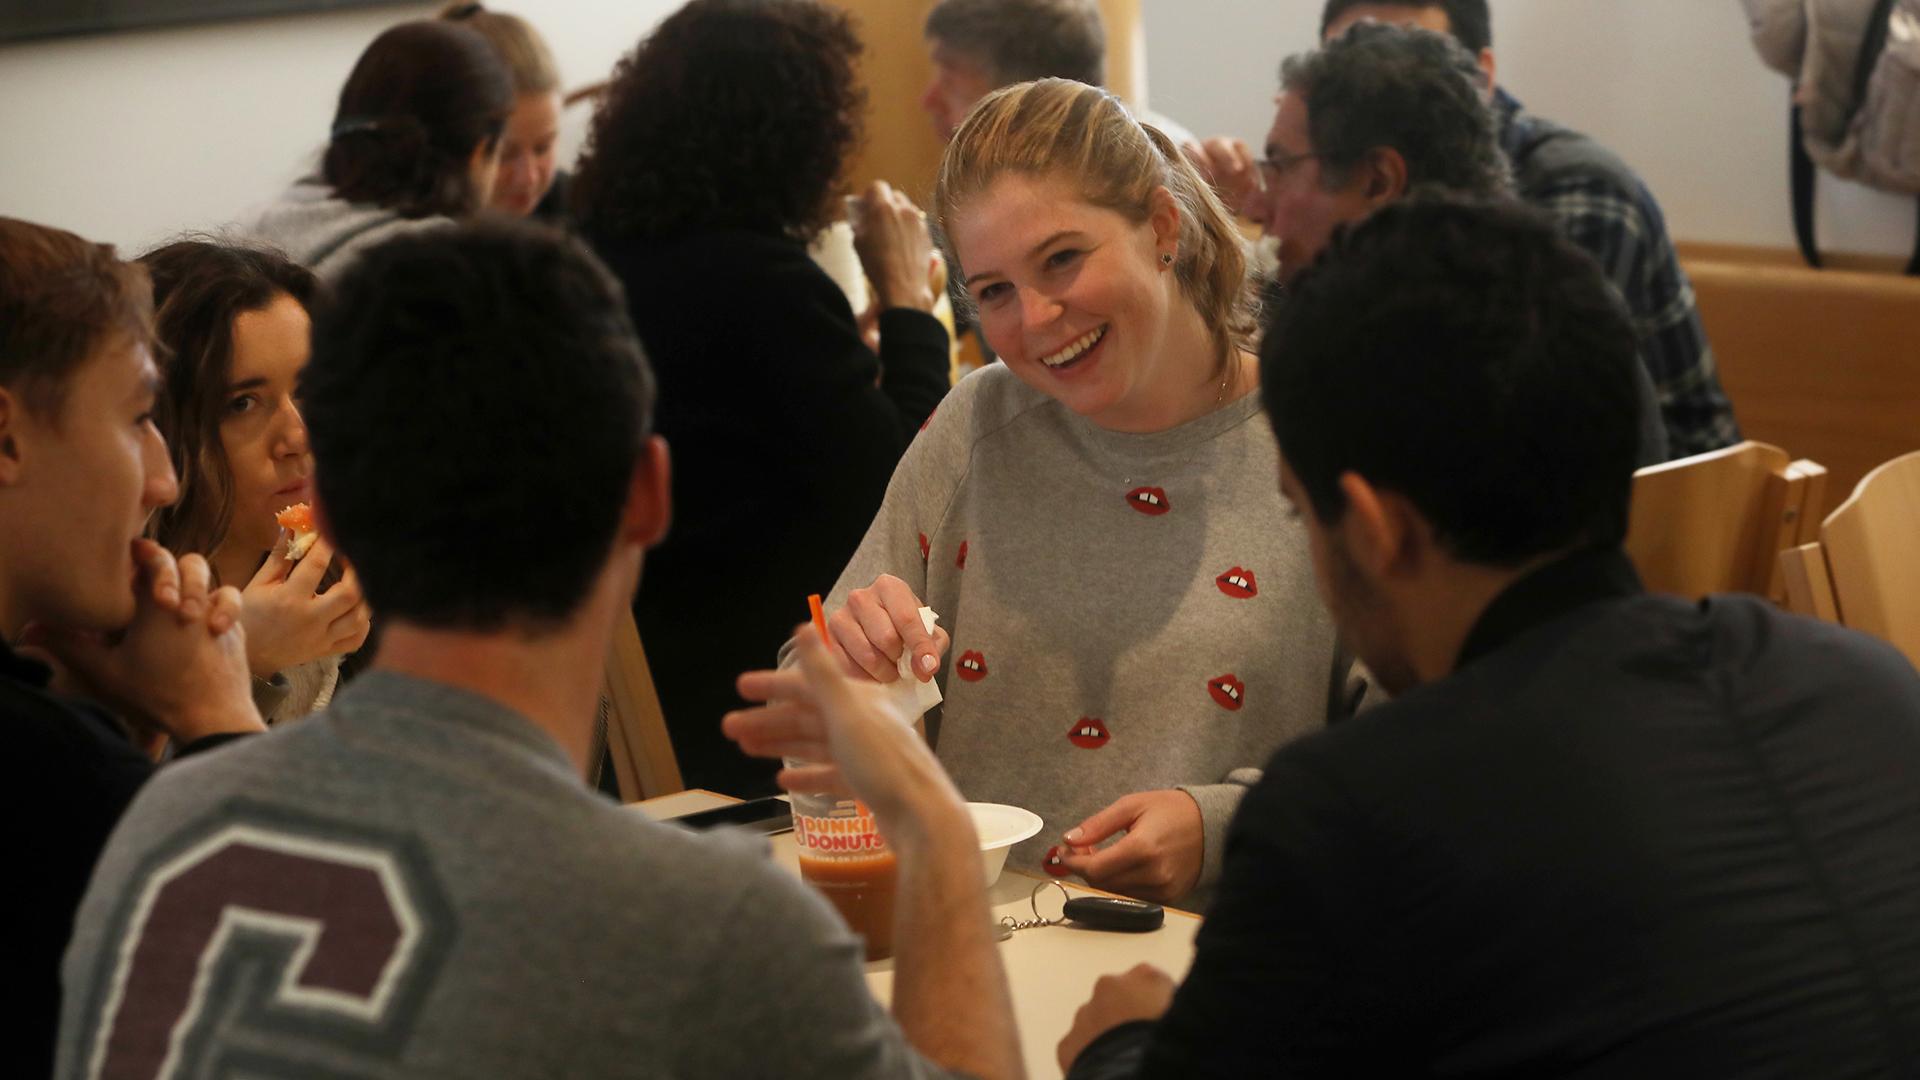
point(1033, 903)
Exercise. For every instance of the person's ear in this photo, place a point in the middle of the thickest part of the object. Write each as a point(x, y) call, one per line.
point(1163, 215)
point(1490, 69)
point(1384, 177)
point(12, 438)
point(1382, 531)
point(649, 508)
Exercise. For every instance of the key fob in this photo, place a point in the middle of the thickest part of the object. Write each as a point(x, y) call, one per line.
point(1112, 913)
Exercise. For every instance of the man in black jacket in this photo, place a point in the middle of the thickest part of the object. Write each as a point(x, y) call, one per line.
point(81, 468)
point(1597, 832)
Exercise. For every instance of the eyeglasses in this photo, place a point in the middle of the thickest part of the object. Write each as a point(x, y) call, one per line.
point(1274, 169)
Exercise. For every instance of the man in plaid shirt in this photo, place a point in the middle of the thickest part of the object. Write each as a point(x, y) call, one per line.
point(1599, 202)
point(1603, 207)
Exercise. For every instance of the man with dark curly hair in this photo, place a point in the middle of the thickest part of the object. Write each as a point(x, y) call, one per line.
point(716, 157)
point(1598, 200)
point(1367, 119)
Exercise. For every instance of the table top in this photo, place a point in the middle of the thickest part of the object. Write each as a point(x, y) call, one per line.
point(1051, 969)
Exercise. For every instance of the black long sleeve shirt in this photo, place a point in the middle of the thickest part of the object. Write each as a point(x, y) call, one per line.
point(785, 430)
point(75, 772)
point(1628, 837)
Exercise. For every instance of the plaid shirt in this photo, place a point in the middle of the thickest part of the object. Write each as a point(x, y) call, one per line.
point(1605, 209)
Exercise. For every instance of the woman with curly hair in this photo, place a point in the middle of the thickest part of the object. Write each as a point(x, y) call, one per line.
point(233, 325)
point(415, 143)
point(716, 157)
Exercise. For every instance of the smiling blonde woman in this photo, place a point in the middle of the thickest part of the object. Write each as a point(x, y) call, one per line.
point(1131, 626)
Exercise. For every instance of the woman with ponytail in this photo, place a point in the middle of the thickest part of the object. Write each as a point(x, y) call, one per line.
point(1129, 626)
point(415, 143)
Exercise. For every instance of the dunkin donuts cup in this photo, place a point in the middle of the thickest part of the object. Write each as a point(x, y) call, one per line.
point(841, 850)
point(844, 856)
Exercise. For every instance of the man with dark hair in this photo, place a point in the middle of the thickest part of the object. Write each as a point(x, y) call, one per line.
point(1599, 202)
point(1597, 832)
point(1367, 119)
point(417, 881)
point(1468, 21)
point(1360, 123)
point(81, 468)
point(979, 46)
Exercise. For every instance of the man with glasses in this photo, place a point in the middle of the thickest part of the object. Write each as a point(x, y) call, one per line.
point(1375, 114)
point(1595, 198)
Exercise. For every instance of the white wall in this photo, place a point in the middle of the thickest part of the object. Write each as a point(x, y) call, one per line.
point(130, 138)
point(133, 137)
point(1671, 85)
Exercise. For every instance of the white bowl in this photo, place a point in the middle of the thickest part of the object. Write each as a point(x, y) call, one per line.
point(1000, 827)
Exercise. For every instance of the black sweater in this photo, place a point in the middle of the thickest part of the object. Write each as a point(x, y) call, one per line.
point(1628, 837)
point(784, 429)
point(76, 774)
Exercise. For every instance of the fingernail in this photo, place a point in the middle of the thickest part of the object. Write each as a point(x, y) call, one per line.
point(1073, 836)
point(1051, 864)
point(928, 662)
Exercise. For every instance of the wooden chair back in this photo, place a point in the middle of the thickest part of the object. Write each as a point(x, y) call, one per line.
point(1717, 522)
point(643, 763)
point(1865, 571)
point(1808, 582)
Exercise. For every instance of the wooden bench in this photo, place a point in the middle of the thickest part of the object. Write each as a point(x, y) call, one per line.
point(1823, 362)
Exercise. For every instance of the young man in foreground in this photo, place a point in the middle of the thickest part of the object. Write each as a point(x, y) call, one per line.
point(81, 468)
point(417, 880)
point(1597, 832)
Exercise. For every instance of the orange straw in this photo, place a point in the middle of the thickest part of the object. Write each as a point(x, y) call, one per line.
point(819, 618)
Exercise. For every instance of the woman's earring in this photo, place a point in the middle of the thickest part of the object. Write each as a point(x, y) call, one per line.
point(1166, 258)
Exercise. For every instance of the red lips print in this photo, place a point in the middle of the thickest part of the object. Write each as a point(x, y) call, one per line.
point(1051, 864)
point(1228, 692)
point(1088, 734)
point(925, 549)
point(1151, 501)
point(971, 667)
point(1238, 583)
point(961, 561)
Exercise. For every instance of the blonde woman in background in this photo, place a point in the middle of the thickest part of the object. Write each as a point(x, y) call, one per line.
point(529, 182)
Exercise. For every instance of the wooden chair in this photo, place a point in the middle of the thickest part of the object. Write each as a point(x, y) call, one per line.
point(643, 761)
point(1865, 570)
point(1717, 522)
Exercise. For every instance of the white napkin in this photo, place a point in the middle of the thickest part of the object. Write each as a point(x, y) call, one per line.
point(911, 696)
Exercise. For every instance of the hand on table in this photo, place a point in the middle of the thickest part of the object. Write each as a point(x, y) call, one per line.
point(1159, 857)
point(180, 666)
point(288, 623)
point(1141, 994)
point(1228, 165)
point(859, 742)
point(890, 236)
point(879, 623)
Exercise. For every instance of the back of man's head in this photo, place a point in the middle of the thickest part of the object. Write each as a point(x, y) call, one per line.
point(1411, 90)
point(1468, 357)
point(1468, 20)
point(61, 299)
point(477, 402)
point(1022, 40)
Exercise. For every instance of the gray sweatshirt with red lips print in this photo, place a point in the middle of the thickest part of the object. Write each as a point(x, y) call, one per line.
point(1128, 612)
